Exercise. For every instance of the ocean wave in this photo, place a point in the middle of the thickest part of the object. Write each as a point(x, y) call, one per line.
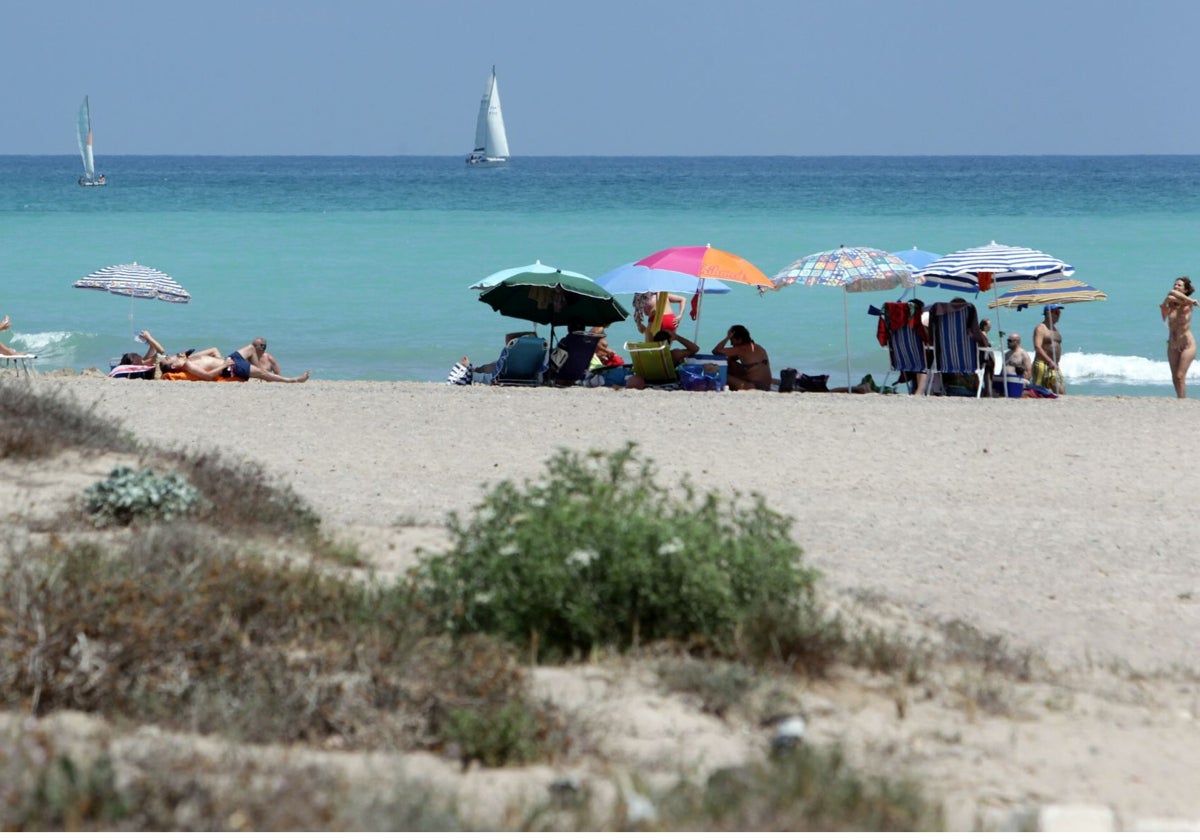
point(45, 342)
point(1128, 370)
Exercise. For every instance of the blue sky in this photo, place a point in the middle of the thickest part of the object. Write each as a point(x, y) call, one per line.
point(605, 77)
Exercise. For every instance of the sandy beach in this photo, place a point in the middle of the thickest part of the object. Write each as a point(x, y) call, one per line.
point(1063, 525)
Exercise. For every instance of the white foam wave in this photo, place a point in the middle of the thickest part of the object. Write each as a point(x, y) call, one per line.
point(1130, 370)
point(43, 342)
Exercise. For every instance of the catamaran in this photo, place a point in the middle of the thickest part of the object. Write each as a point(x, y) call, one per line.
point(89, 178)
point(491, 143)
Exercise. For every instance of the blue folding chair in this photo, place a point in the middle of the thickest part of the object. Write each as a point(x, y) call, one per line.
point(523, 361)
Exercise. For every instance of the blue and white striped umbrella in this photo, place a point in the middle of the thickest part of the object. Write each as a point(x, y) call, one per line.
point(961, 270)
point(136, 281)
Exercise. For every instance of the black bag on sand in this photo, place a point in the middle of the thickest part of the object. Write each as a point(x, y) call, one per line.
point(787, 380)
point(813, 383)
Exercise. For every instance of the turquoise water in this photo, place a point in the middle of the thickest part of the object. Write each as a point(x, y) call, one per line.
point(358, 267)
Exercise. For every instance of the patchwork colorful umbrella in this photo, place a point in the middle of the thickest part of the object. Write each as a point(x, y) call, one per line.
point(1043, 292)
point(855, 269)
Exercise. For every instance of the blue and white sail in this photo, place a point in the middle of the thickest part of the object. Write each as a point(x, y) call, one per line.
point(491, 141)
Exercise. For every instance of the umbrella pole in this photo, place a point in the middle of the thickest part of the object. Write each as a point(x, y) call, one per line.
point(999, 335)
point(699, 309)
point(846, 324)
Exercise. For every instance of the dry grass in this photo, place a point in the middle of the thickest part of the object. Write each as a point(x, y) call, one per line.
point(241, 622)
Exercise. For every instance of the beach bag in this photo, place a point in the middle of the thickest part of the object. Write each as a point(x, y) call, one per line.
point(694, 380)
point(820, 383)
point(787, 380)
point(460, 374)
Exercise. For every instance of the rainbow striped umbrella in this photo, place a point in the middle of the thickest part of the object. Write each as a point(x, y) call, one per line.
point(707, 263)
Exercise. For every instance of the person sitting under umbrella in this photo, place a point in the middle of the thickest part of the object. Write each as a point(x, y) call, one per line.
point(645, 305)
point(689, 348)
point(749, 366)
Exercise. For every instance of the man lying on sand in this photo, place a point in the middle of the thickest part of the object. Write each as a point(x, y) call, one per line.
point(209, 366)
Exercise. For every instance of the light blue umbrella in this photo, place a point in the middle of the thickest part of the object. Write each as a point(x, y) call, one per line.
point(917, 258)
point(631, 279)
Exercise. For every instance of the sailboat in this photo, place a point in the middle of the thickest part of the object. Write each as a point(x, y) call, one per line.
point(491, 143)
point(89, 178)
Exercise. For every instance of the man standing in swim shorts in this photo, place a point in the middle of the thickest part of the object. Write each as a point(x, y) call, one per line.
point(1047, 349)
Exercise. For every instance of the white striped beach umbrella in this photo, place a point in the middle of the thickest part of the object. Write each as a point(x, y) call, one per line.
point(962, 271)
point(133, 280)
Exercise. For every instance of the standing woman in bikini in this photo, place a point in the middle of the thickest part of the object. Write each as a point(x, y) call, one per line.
point(749, 367)
point(1176, 310)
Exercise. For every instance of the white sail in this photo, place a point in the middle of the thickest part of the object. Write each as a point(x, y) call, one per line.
point(85, 140)
point(491, 141)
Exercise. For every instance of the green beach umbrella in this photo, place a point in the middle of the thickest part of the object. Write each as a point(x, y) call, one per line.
point(547, 295)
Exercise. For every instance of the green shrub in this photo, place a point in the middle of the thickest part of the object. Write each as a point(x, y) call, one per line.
point(599, 554)
point(127, 495)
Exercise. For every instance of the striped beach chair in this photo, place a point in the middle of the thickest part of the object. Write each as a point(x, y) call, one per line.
point(954, 327)
point(900, 332)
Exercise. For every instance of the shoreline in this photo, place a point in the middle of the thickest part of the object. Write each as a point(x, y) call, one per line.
point(1050, 522)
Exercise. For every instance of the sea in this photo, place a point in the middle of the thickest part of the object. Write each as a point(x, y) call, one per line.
point(360, 267)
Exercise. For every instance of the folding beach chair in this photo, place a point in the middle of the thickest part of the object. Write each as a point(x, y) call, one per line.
point(20, 363)
point(900, 331)
point(954, 327)
point(653, 362)
point(522, 361)
point(577, 351)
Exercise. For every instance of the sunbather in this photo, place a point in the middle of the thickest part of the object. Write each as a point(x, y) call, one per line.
point(5, 350)
point(256, 354)
point(203, 367)
point(149, 358)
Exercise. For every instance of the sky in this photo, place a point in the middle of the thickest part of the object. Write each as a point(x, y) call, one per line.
point(603, 77)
